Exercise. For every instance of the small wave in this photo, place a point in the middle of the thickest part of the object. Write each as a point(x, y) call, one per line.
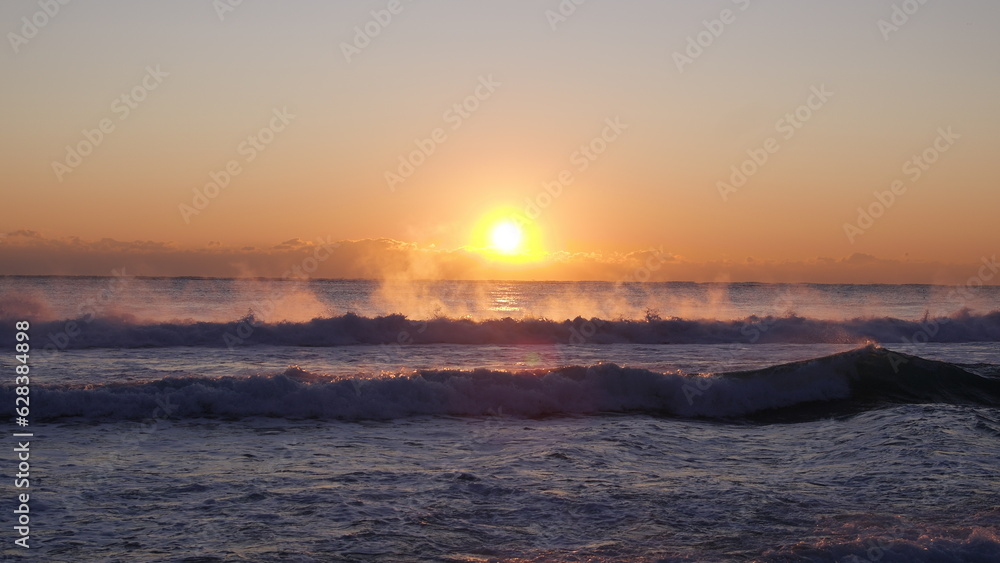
point(860, 379)
point(350, 329)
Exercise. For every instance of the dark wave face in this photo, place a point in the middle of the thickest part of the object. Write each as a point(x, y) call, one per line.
point(350, 329)
point(862, 379)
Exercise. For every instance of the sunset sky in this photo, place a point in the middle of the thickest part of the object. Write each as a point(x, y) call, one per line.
point(638, 115)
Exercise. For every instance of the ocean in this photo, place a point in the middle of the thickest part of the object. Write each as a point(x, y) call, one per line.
point(201, 420)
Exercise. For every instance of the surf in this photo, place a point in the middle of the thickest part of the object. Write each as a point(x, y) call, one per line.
point(867, 378)
point(396, 329)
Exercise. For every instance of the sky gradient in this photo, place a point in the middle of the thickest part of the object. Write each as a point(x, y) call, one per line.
point(739, 139)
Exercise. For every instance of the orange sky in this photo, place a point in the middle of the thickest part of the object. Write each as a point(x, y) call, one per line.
point(776, 141)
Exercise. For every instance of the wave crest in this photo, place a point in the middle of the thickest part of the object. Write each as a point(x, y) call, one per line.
point(350, 329)
point(857, 380)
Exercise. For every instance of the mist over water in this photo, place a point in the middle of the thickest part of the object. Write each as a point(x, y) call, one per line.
point(209, 300)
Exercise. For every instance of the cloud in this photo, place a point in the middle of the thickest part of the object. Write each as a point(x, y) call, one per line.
point(31, 253)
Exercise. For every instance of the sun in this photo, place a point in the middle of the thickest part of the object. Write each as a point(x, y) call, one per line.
point(507, 237)
point(506, 234)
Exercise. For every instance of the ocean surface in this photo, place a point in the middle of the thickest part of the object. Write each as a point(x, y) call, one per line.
point(208, 420)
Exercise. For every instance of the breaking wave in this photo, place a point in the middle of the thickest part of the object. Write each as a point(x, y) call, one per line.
point(862, 379)
point(350, 329)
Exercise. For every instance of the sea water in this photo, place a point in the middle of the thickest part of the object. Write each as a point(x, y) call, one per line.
point(271, 420)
